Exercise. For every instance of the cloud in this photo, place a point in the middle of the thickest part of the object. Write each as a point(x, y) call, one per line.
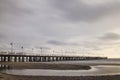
point(43, 47)
point(54, 42)
point(110, 37)
point(62, 43)
point(59, 24)
point(2, 36)
point(77, 10)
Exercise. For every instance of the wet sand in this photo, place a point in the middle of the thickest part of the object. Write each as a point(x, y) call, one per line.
point(13, 77)
point(52, 66)
point(44, 65)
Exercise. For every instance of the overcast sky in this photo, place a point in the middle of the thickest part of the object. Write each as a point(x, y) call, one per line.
point(78, 26)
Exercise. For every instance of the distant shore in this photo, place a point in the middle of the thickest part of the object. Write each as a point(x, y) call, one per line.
point(20, 65)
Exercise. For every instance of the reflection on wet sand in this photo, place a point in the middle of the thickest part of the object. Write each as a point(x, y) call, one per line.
point(95, 71)
point(4, 67)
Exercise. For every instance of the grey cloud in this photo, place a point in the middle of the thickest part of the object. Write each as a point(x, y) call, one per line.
point(43, 47)
point(84, 44)
point(110, 36)
point(90, 45)
point(54, 42)
point(14, 7)
point(2, 36)
point(76, 10)
point(62, 43)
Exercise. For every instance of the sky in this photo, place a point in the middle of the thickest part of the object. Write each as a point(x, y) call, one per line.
point(69, 27)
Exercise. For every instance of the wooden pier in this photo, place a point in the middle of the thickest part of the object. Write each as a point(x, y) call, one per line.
point(38, 58)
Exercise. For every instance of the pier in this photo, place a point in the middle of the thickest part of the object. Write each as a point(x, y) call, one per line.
point(39, 58)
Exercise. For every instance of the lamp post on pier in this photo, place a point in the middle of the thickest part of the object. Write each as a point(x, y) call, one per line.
point(22, 50)
point(41, 50)
point(11, 47)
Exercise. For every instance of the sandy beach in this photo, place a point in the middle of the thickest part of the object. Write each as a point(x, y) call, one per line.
point(54, 66)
